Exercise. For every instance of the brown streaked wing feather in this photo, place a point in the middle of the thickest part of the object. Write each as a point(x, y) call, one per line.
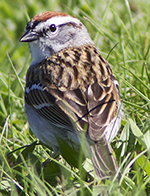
point(102, 106)
point(79, 79)
point(47, 108)
point(75, 107)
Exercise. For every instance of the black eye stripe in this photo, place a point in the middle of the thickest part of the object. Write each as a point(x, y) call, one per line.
point(45, 30)
point(51, 28)
point(32, 25)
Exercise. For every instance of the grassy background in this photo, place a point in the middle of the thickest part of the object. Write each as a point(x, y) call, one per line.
point(121, 31)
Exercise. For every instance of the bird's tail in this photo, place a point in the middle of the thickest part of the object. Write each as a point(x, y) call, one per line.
point(103, 160)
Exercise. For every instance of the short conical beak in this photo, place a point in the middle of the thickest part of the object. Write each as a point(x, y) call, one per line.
point(29, 36)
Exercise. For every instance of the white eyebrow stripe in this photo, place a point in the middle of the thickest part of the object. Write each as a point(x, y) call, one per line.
point(57, 20)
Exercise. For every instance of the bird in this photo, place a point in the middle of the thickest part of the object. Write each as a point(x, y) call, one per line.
point(71, 89)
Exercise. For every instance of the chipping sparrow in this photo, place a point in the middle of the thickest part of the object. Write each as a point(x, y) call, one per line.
point(70, 87)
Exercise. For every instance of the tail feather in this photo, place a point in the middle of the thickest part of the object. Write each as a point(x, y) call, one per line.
point(103, 160)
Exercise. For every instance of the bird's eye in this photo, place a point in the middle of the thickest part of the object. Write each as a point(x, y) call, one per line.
point(52, 28)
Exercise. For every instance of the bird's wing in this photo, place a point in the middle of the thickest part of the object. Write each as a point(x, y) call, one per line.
point(74, 84)
point(103, 107)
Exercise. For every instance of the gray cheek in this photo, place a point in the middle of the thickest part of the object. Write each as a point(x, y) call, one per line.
point(63, 38)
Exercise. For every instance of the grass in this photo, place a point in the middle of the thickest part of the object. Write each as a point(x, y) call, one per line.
point(121, 31)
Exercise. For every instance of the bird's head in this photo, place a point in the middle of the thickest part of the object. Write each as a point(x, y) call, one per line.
point(50, 32)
